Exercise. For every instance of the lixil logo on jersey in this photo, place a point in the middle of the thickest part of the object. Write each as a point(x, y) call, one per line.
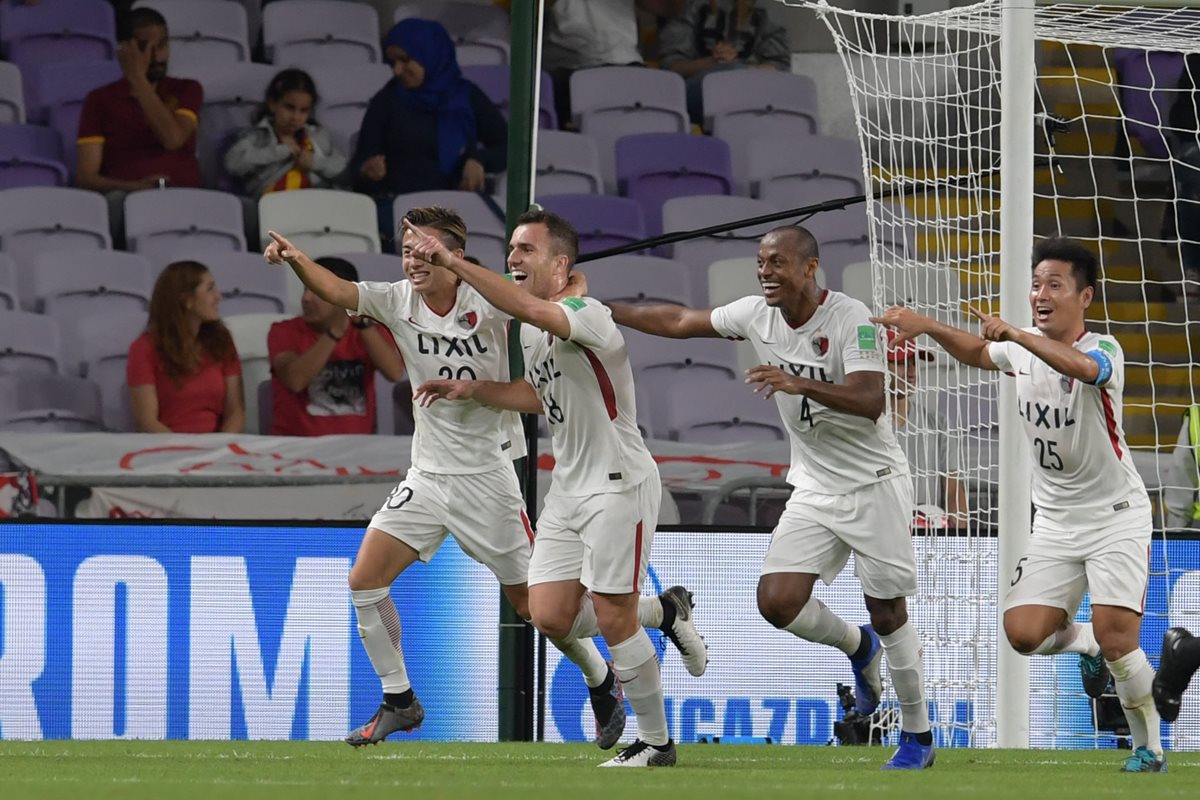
point(467, 321)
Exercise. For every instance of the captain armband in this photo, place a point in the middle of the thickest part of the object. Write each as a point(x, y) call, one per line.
point(1104, 362)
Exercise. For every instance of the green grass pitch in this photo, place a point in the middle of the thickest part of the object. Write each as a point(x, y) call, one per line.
point(299, 770)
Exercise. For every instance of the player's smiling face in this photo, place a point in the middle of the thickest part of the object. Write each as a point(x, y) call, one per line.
point(1057, 301)
point(783, 271)
point(533, 263)
point(424, 277)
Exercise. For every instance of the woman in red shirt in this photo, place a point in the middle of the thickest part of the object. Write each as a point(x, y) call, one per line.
point(183, 372)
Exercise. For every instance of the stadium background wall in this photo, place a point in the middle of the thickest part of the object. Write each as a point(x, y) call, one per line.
point(231, 631)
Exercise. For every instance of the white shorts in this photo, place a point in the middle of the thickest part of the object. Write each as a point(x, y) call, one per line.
point(1111, 561)
point(817, 532)
point(601, 540)
point(484, 513)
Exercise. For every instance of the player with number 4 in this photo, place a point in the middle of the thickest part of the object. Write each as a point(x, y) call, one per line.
point(1092, 525)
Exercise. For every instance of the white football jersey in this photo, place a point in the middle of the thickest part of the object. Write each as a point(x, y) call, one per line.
point(469, 342)
point(832, 452)
point(1082, 468)
point(586, 387)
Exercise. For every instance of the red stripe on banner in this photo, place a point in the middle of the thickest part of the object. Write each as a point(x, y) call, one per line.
point(637, 558)
point(606, 387)
point(528, 527)
point(1110, 422)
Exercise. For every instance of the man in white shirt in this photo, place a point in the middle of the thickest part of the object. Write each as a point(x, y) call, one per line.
point(596, 530)
point(461, 480)
point(822, 362)
point(1092, 526)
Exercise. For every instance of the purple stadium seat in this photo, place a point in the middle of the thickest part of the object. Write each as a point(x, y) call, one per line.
point(37, 219)
point(344, 91)
point(655, 167)
point(842, 239)
point(376, 266)
point(480, 32)
point(321, 32)
point(167, 220)
point(30, 155)
point(105, 339)
point(55, 31)
point(610, 102)
point(9, 291)
point(247, 283)
point(203, 32)
point(730, 413)
point(29, 343)
point(69, 287)
point(43, 403)
point(702, 211)
point(232, 93)
point(791, 173)
point(61, 91)
point(1148, 82)
point(487, 239)
point(12, 94)
point(639, 279)
point(493, 80)
point(603, 221)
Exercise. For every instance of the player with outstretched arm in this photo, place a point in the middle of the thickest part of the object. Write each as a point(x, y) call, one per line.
point(823, 364)
point(600, 514)
point(1092, 522)
point(461, 482)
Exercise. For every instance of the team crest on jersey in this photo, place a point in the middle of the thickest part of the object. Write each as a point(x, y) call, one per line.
point(820, 344)
point(467, 321)
point(1066, 383)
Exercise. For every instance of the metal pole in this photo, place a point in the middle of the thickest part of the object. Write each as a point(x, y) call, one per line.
point(1018, 75)
point(515, 704)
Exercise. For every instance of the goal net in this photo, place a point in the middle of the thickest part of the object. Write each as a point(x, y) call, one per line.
point(1110, 170)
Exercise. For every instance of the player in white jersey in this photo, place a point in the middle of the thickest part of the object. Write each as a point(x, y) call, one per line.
point(461, 481)
point(596, 530)
point(1092, 526)
point(822, 362)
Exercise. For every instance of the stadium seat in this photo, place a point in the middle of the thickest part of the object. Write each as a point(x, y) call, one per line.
point(9, 291)
point(703, 211)
point(29, 343)
point(603, 221)
point(12, 95)
point(215, 31)
point(842, 239)
point(61, 91)
point(233, 93)
point(640, 279)
point(567, 163)
point(308, 32)
point(791, 173)
point(493, 80)
point(250, 337)
point(376, 266)
point(32, 35)
point(655, 167)
point(164, 221)
point(39, 403)
point(858, 282)
point(37, 219)
point(344, 90)
point(731, 412)
point(30, 155)
point(247, 283)
point(68, 288)
point(663, 358)
point(105, 339)
point(487, 239)
point(610, 102)
point(480, 32)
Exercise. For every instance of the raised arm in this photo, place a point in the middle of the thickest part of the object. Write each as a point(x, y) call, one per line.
point(322, 282)
point(963, 346)
point(516, 395)
point(675, 322)
point(1062, 358)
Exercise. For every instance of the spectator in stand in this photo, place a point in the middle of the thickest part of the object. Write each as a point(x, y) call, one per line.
point(1184, 140)
point(139, 132)
point(323, 366)
point(715, 35)
point(183, 372)
point(286, 149)
point(593, 33)
point(428, 128)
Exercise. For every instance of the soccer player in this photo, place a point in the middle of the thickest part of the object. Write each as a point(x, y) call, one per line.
point(595, 532)
point(1180, 660)
point(823, 364)
point(461, 480)
point(1092, 526)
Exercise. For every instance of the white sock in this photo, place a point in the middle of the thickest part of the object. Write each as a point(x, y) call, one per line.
point(903, 649)
point(584, 653)
point(585, 625)
point(636, 664)
point(379, 629)
point(816, 623)
point(1077, 637)
point(650, 612)
point(1134, 677)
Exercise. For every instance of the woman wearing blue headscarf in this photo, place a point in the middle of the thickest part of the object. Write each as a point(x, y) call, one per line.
point(428, 128)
